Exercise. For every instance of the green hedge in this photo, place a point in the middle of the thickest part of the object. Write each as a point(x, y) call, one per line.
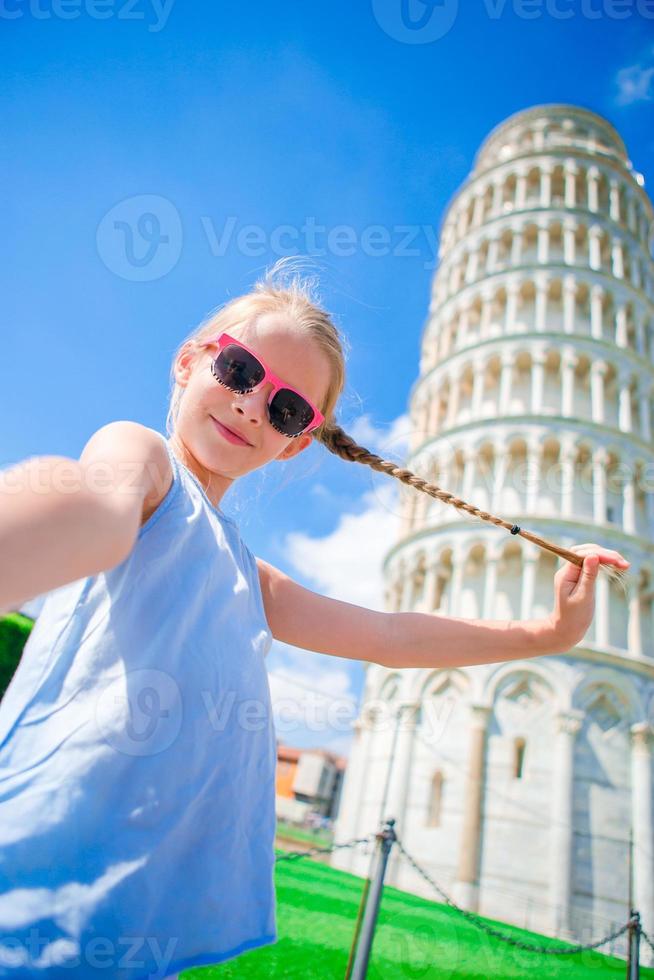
point(14, 630)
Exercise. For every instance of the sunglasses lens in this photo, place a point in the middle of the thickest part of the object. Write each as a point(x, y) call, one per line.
point(290, 413)
point(237, 368)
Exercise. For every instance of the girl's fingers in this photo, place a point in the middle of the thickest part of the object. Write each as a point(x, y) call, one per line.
point(606, 555)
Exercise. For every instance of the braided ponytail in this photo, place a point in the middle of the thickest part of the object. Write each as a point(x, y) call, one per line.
point(337, 441)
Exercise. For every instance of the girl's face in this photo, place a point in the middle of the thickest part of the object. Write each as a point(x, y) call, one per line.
point(201, 443)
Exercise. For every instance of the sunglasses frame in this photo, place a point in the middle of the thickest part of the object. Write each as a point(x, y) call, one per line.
point(223, 339)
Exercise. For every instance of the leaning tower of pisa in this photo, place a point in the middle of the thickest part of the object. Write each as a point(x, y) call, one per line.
point(518, 785)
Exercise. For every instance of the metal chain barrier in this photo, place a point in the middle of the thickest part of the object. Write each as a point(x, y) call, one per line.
point(647, 939)
point(294, 855)
point(512, 941)
point(472, 917)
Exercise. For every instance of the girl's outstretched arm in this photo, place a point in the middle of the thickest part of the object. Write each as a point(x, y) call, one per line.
point(411, 639)
point(62, 519)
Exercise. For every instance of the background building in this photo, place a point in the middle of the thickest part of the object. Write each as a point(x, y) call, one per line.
point(516, 785)
point(308, 781)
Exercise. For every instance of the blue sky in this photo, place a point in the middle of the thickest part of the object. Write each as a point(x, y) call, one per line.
point(218, 117)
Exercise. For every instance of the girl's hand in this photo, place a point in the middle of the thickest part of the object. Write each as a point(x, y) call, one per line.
point(574, 593)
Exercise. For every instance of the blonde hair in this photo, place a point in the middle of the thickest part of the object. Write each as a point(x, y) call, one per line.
point(283, 290)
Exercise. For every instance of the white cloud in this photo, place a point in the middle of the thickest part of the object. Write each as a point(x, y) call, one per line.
point(393, 438)
point(347, 563)
point(313, 698)
point(636, 83)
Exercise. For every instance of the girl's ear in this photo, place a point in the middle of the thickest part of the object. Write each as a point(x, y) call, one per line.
point(184, 363)
point(296, 446)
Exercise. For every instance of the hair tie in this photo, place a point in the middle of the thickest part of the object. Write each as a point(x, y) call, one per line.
point(515, 529)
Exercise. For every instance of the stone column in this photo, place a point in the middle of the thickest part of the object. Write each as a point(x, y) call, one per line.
point(624, 403)
point(462, 331)
point(570, 184)
point(644, 403)
point(540, 311)
point(594, 247)
point(521, 191)
point(486, 310)
point(596, 311)
point(434, 408)
point(512, 290)
point(617, 258)
point(455, 394)
point(478, 210)
point(493, 247)
point(457, 577)
point(479, 371)
point(529, 567)
point(599, 487)
point(634, 632)
point(568, 360)
point(598, 371)
point(592, 176)
point(470, 842)
point(501, 467)
point(505, 382)
point(568, 724)
point(569, 241)
point(472, 266)
point(621, 332)
point(533, 461)
point(567, 479)
point(543, 243)
point(569, 304)
point(431, 576)
point(470, 458)
point(614, 200)
point(629, 504)
point(545, 188)
point(497, 198)
point(602, 598)
point(640, 334)
point(537, 381)
point(516, 247)
point(641, 821)
point(490, 585)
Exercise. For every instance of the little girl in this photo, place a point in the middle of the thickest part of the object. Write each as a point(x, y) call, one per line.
point(137, 745)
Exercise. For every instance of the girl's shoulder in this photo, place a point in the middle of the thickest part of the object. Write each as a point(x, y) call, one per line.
point(161, 473)
point(137, 450)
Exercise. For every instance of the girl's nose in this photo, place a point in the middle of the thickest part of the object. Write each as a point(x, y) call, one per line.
point(252, 404)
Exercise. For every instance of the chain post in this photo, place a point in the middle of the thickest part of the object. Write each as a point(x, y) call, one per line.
point(633, 935)
point(385, 839)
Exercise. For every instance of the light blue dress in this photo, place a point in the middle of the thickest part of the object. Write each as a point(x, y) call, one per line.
point(137, 761)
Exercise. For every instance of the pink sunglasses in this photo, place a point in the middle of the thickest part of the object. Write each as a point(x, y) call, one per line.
point(238, 368)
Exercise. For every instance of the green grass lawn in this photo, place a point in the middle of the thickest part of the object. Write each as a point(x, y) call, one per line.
point(316, 911)
point(14, 631)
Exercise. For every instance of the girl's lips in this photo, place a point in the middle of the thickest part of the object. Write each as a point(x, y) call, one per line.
point(228, 434)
